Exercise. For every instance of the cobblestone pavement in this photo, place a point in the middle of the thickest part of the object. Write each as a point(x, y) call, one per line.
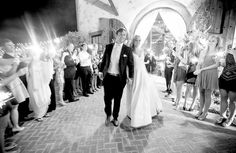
point(79, 128)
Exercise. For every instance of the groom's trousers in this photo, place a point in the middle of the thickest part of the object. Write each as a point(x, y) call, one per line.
point(113, 90)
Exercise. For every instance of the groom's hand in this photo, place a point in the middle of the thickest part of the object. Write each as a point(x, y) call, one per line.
point(130, 81)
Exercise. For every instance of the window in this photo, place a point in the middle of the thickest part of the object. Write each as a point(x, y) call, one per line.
point(95, 37)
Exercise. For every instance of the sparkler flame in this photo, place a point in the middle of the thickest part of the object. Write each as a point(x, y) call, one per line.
point(36, 47)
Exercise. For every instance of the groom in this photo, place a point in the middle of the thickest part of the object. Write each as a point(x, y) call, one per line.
point(117, 57)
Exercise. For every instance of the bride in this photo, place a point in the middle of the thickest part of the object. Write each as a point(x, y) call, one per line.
point(143, 101)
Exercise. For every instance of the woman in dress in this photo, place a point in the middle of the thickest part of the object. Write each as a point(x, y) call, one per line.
point(59, 66)
point(207, 79)
point(227, 87)
point(143, 101)
point(180, 70)
point(191, 79)
point(38, 86)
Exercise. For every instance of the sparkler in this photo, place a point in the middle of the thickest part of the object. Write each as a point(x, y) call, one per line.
point(36, 50)
point(37, 47)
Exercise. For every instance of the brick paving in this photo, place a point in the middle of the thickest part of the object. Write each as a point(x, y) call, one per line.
point(79, 128)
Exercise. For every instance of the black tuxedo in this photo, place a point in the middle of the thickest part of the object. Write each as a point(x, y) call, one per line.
point(114, 85)
point(126, 60)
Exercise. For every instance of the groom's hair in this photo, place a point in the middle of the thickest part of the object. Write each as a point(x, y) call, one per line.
point(120, 30)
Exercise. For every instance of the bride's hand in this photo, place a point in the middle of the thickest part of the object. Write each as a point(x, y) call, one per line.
point(197, 72)
point(130, 81)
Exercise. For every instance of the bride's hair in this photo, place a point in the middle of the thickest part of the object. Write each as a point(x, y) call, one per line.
point(218, 48)
point(132, 42)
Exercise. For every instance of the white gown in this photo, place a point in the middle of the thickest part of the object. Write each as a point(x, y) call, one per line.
point(143, 100)
point(38, 86)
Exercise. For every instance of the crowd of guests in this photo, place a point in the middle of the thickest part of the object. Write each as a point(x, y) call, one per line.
point(34, 81)
point(197, 66)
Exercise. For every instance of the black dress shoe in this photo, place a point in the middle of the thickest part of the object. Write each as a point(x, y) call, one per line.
point(74, 100)
point(85, 95)
point(107, 121)
point(90, 92)
point(115, 123)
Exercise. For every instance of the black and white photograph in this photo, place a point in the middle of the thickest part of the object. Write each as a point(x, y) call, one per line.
point(118, 76)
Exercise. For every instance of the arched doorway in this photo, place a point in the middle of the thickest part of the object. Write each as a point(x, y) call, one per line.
point(161, 4)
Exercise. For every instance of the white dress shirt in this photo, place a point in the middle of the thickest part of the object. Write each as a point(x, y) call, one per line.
point(85, 59)
point(115, 57)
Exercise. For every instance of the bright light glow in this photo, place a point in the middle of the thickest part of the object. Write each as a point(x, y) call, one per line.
point(162, 57)
point(220, 54)
point(36, 50)
point(194, 60)
point(57, 40)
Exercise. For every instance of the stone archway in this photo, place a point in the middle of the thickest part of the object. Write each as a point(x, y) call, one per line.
point(160, 4)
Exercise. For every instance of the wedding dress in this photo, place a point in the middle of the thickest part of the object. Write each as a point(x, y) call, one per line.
point(143, 100)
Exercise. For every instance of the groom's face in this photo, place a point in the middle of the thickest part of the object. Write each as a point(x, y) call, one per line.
point(121, 37)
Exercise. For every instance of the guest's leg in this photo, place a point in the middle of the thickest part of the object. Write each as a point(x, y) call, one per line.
point(71, 95)
point(92, 82)
point(90, 79)
point(166, 78)
point(195, 94)
point(4, 121)
point(83, 80)
point(52, 105)
point(23, 108)
point(207, 104)
point(95, 81)
point(223, 103)
point(188, 89)
point(232, 110)
point(202, 101)
point(74, 88)
point(67, 89)
point(80, 84)
point(179, 85)
point(15, 118)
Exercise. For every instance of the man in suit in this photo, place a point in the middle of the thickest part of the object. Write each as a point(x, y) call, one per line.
point(117, 57)
point(69, 74)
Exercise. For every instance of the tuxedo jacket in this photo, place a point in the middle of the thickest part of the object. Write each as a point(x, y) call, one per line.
point(126, 60)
